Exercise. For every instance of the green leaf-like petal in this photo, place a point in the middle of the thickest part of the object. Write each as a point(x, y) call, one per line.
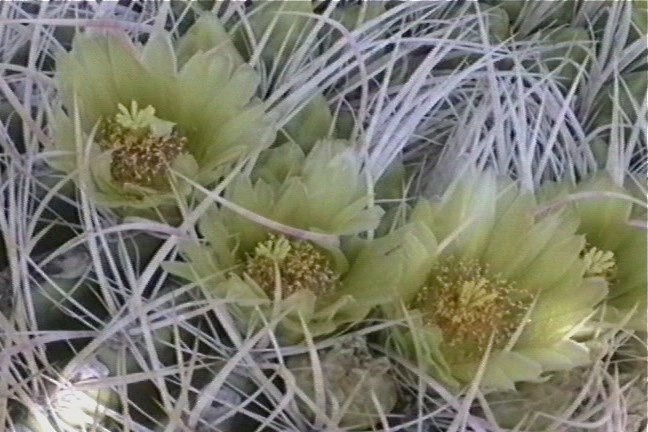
point(207, 35)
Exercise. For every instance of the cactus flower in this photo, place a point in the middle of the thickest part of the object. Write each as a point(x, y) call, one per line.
point(504, 286)
point(284, 270)
point(146, 111)
point(615, 249)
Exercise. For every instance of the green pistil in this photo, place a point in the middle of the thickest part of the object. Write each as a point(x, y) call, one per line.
point(599, 263)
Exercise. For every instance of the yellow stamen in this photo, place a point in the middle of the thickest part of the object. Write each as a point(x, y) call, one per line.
point(301, 267)
point(143, 147)
point(469, 305)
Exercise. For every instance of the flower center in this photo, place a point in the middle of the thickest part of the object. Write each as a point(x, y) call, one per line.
point(291, 266)
point(599, 263)
point(143, 147)
point(469, 306)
